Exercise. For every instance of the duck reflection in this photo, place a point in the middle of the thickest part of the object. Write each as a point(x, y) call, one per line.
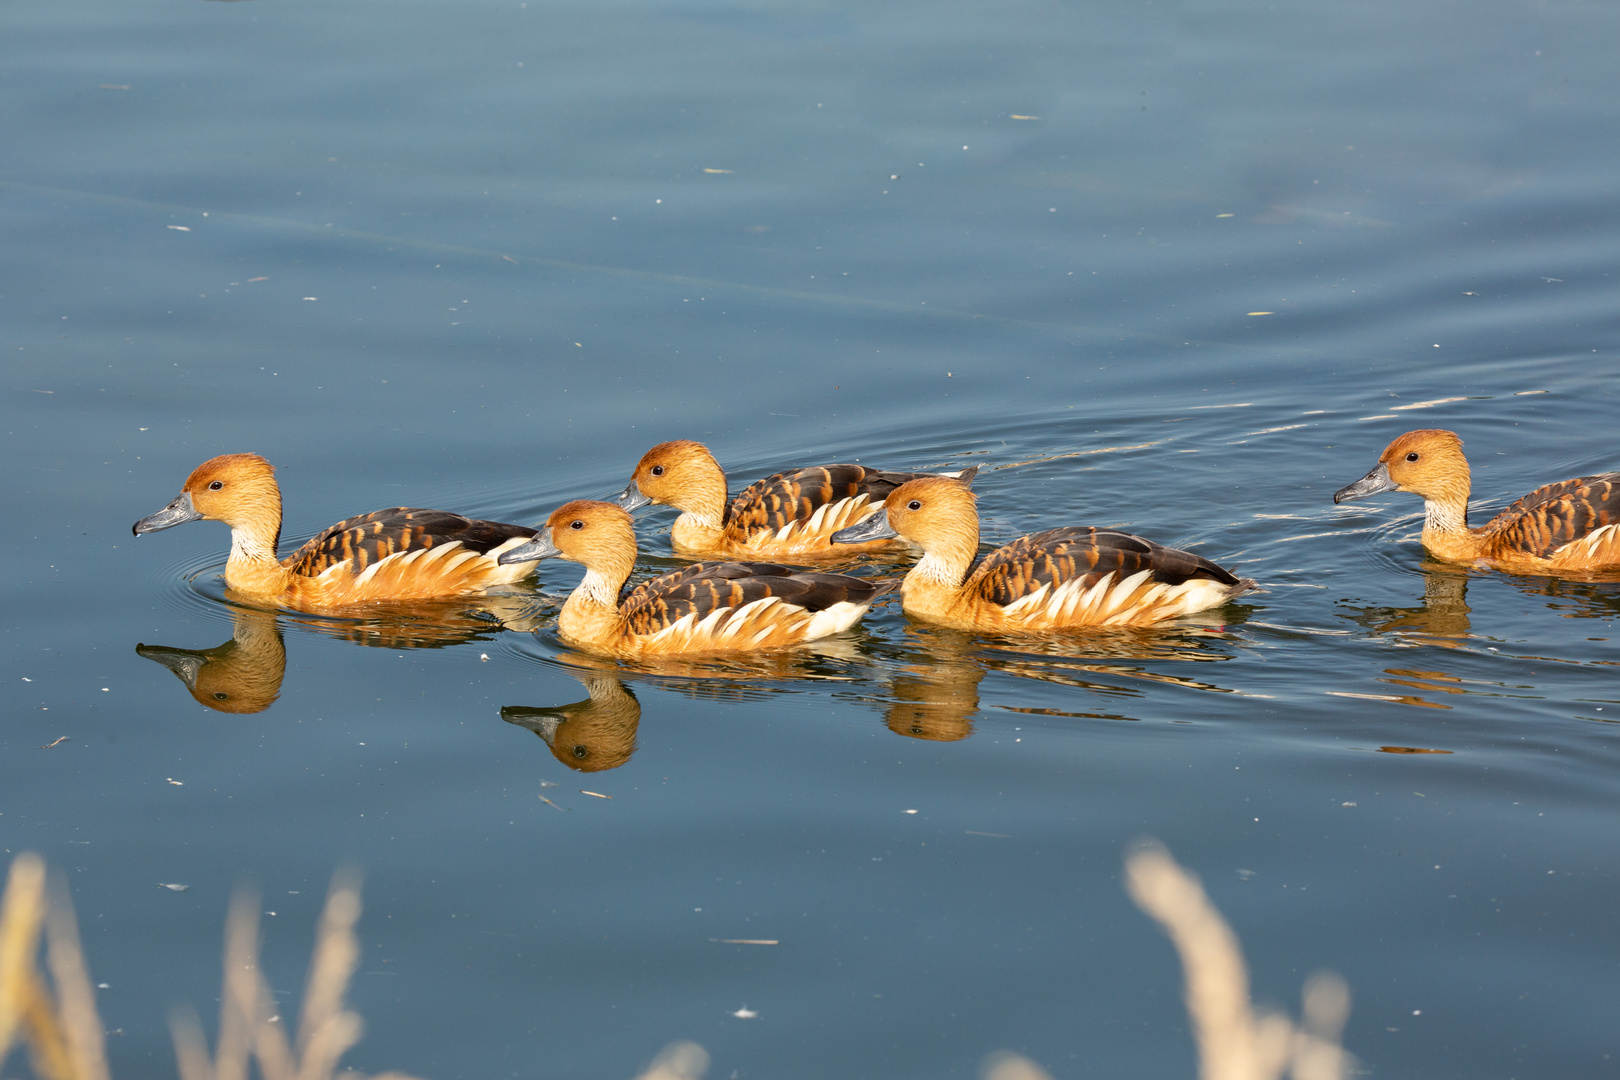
point(428, 624)
point(244, 674)
point(241, 676)
point(934, 692)
point(1583, 598)
point(600, 731)
point(590, 735)
point(936, 695)
point(1441, 619)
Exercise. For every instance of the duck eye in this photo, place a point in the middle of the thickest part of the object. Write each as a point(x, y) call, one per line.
point(1413, 456)
point(216, 485)
point(220, 695)
point(914, 504)
point(580, 752)
point(576, 524)
point(658, 470)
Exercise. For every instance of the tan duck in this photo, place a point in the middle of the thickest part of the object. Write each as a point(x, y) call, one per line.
point(705, 608)
point(398, 554)
point(587, 736)
point(1059, 579)
point(241, 676)
point(789, 515)
point(1569, 526)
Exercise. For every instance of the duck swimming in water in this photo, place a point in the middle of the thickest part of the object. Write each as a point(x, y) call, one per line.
point(1053, 580)
point(707, 607)
point(398, 554)
point(1572, 526)
point(789, 515)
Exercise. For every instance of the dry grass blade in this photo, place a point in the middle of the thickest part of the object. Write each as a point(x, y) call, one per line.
point(25, 1005)
point(1233, 1043)
point(248, 1025)
point(1005, 1065)
point(325, 1029)
point(75, 997)
point(21, 914)
point(678, 1061)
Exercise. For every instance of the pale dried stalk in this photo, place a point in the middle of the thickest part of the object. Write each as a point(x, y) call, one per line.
point(326, 1030)
point(678, 1061)
point(1234, 1044)
point(1317, 1052)
point(1217, 993)
point(25, 1004)
point(21, 914)
point(248, 1024)
point(75, 996)
point(1005, 1065)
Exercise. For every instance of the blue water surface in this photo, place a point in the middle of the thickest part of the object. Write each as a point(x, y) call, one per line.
point(1183, 268)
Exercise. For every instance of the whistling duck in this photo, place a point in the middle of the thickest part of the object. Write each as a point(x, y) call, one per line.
point(399, 554)
point(587, 736)
point(1053, 580)
point(704, 608)
point(789, 515)
point(241, 676)
point(1573, 525)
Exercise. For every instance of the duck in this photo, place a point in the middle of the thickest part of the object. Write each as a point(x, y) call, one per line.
point(1573, 525)
point(708, 607)
point(790, 515)
point(243, 675)
point(399, 554)
point(587, 736)
point(1059, 579)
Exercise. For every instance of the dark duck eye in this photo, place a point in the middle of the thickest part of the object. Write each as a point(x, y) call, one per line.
point(657, 470)
point(216, 485)
point(1413, 456)
point(914, 504)
point(576, 524)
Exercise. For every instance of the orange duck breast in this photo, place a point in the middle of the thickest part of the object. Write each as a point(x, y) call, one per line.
point(399, 554)
point(1053, 580)
point(789, 515)
point(704, 608)
point(1569, 526)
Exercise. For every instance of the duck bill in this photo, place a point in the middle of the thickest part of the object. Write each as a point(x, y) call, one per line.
point(177, 512)
point(543, 722)
point(183, 662)
point(540, 547)
point(875, 527)
point(631, 499)
point(1374, 482)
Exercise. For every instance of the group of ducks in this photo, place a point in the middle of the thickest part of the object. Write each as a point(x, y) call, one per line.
point(1054, 580)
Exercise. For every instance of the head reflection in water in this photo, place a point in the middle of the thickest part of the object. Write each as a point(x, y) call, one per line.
point(934, 701)
point(587, 736)
point(241, 676)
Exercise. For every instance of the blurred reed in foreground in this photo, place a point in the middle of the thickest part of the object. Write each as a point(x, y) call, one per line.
point(64, 1035)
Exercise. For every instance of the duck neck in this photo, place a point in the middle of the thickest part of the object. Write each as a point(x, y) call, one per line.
point(592, 609)
point(703, 503)
point(937, 578)
point(1445, 509)
point(252, 567)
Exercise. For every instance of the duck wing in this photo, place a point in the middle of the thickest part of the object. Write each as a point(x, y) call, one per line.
point(781, 500)
point(1056, 556)
point(705, 588)
point(1558, 514)
point(371, 538)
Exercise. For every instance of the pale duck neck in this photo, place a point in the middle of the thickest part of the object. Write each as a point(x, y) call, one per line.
point(252, 566)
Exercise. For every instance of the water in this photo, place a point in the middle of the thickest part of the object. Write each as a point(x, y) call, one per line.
point(473, 255)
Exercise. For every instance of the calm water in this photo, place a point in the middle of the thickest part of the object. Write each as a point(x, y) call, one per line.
point(481, 255)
